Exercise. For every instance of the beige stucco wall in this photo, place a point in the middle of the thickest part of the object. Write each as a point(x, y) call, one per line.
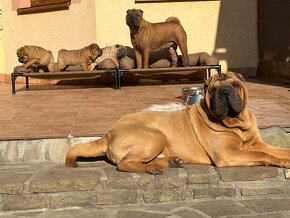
point(2, 63)
point(70, 29)
point(227, 28)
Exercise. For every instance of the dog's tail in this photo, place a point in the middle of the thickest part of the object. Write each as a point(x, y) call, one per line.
point(96, 148)
point(172, 19)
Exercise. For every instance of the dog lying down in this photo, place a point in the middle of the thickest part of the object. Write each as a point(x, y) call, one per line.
point(219, 129)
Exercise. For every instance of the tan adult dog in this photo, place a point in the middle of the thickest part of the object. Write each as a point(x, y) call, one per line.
point(83, 57)
point(35, 56)
point(219, 130)
point(146, 36)
point(110, 57)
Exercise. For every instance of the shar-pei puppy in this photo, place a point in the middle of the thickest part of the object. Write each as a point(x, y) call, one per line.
point(35, 57)
point(83, 57)
point(147, 37)
point(220, 129)
point(110, 57)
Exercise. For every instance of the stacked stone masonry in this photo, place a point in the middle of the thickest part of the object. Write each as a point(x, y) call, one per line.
point(31, 186)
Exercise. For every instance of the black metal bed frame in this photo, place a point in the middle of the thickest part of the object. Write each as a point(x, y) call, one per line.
point(116, 73)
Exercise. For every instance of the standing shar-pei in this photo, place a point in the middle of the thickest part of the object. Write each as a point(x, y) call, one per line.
point(146, 36)
point(219, 129)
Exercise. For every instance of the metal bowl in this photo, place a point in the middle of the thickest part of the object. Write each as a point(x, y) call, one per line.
point(192, 99)
point(193, 91)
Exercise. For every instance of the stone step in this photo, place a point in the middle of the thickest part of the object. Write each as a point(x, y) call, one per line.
point(47, 185)
point(255, 208)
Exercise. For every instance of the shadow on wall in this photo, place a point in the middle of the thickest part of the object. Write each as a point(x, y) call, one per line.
point(236, 39)
point(276, 31)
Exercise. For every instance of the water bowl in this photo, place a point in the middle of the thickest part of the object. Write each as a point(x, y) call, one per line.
point(192, 94)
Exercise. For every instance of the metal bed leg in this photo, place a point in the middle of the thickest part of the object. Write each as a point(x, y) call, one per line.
point(120, 73)
point(208, 73)
point(13, 78)
point(27, 82)
point(13, 81)
point(115, 75)
point(116, 78)
point(216, 67)
point(219, 69)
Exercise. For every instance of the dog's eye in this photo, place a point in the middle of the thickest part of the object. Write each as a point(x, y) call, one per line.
point(236, 85)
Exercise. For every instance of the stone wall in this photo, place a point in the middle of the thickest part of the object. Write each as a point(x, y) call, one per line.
point(29, 186)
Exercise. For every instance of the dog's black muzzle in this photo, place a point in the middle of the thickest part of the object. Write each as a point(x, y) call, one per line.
point(226, 102)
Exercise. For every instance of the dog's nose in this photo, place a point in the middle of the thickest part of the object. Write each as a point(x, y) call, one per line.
point(225, 92)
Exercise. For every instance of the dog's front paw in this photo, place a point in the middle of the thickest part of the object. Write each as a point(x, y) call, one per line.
point(176, 162)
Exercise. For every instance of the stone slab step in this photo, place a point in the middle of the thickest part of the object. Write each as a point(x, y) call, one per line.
point(256, 208)
point(47, 185)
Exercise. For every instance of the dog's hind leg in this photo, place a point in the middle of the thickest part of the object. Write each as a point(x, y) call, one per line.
point(182, 42)
point(155, 167)
point(137, 166)
point(145, 155)
point(96, 148)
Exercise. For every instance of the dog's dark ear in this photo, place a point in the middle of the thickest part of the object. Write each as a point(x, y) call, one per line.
point(205, 85)
point(127, 11)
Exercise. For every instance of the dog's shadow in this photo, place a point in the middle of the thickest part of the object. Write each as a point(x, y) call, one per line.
point(93, 159)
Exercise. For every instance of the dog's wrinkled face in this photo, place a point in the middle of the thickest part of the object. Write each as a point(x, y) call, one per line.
point(121, 51)
point(134, 18)
point(225, 95)
point(22, 55)
point(95, 51)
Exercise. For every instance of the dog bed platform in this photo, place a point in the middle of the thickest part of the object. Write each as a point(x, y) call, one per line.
point(65, 75)
point(167, 71)
point(116, 73)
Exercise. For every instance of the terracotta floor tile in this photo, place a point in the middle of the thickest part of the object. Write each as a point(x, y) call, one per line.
point(3, 123)
point(49, 111)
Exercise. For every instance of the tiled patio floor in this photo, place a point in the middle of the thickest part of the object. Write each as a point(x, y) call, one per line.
point(53, 111)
